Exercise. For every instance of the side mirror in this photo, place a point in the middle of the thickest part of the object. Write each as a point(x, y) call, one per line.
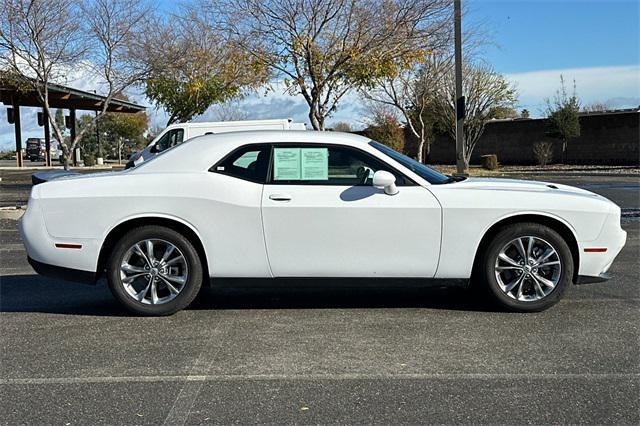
point(154, 148)
point(385, 180)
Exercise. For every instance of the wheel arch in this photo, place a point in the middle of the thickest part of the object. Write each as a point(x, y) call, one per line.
point(115, 233)
point(553, 222)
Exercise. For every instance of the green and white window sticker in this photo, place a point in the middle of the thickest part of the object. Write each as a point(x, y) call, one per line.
point(301, 164)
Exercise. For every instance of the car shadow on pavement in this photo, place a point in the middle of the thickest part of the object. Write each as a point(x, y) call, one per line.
point(33, 293)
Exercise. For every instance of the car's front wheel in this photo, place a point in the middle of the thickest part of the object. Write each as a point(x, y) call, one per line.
point(527, 267)
point(154, 270)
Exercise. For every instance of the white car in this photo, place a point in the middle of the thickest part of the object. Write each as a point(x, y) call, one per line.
point(272, 204)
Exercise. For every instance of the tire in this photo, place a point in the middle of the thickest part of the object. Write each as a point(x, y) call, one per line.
point(527, 286)
point(176, 278)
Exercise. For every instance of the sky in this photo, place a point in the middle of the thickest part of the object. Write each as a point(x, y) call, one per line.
point(533, 42)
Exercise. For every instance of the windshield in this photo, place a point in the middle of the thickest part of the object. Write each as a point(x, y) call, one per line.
point(420, 169)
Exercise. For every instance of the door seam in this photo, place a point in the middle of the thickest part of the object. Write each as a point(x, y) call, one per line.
point(264, 233)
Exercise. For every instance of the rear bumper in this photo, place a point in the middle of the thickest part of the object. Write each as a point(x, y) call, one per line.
point(66, 274)
point(44, 249)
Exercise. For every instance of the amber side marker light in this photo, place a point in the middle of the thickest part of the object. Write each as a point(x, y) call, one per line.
point(595, 250)
point(69, 246)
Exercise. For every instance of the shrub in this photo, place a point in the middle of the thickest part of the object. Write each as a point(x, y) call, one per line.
point(387, 131)
point(543, 152)
point(489, 162)
point(89, 160)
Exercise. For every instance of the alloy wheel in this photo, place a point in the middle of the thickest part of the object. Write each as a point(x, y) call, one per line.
point(528, 268)
point(153, 271)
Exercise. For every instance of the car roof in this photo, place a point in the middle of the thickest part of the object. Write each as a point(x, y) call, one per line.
point(288, 136)
point(198, 152)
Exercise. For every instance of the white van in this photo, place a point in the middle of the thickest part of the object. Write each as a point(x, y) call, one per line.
point(175, 134)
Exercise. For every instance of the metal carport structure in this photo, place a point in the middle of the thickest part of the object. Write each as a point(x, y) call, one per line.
point(60, 97)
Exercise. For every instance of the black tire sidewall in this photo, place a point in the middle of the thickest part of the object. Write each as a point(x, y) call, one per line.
point(519, 230)
point(188, 293)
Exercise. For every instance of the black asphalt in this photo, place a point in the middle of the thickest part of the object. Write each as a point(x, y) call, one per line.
point(376, 355)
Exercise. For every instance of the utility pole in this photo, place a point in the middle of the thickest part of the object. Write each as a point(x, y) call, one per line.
point(98, 135)
point(460, 112)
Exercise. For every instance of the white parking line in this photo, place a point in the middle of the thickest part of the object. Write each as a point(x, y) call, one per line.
point(345, 376)
point(189, 392)
point(12, 247)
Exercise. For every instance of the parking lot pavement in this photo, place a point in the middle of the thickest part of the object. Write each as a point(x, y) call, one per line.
point(395, 354)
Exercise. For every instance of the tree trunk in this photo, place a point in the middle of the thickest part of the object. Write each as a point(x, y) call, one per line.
point(315, 123)
point(420, 150)
point(67, 158)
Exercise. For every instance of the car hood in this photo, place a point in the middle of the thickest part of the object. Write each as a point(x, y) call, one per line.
point(491, 184)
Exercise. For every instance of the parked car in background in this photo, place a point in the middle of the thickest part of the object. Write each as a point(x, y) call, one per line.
point(175, 134)
point(314, 204)
point(36, 149)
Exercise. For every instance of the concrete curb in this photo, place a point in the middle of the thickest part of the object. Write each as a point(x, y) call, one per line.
point(11, 213)
point(570, 174)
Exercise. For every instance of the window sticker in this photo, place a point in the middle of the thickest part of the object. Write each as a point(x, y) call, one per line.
point(246, 159)
point(315, 164)
point(286, 164)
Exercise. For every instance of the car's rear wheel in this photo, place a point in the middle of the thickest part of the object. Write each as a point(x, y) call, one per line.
point(154, 270)
point(527, 267)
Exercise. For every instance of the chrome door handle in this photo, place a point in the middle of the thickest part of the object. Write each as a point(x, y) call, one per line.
point(280, 197)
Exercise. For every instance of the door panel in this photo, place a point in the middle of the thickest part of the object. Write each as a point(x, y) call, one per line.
point(350, 231)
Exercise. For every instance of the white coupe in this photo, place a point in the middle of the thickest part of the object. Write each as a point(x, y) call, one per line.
point(273, 204)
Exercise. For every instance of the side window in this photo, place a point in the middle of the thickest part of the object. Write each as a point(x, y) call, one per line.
point(250, 163)
point(327, 165)
point(171, 138)
point(163, 143)
point(177, 137)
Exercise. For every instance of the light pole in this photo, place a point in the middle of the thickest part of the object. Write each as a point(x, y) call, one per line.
point(460, 112)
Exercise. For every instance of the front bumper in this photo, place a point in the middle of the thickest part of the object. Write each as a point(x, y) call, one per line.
point(597, 256)
point(585, 279)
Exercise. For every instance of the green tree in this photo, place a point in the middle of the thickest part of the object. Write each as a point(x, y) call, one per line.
point(192, 67)
point(524, 113)
point(116, 130)
point(325, 49)
point(503, 112)
point(386, 129)
point(563, 118)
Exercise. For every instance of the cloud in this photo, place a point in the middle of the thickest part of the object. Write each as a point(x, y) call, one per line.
point(619, 86)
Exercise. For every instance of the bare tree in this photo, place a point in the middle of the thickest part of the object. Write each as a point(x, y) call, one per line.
point(486, 92)
point(543, 152)
point(42, 40)
point(230, 111)
point(325, 48)
point(596, 107)
point(411, 92)
point(342, 126)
